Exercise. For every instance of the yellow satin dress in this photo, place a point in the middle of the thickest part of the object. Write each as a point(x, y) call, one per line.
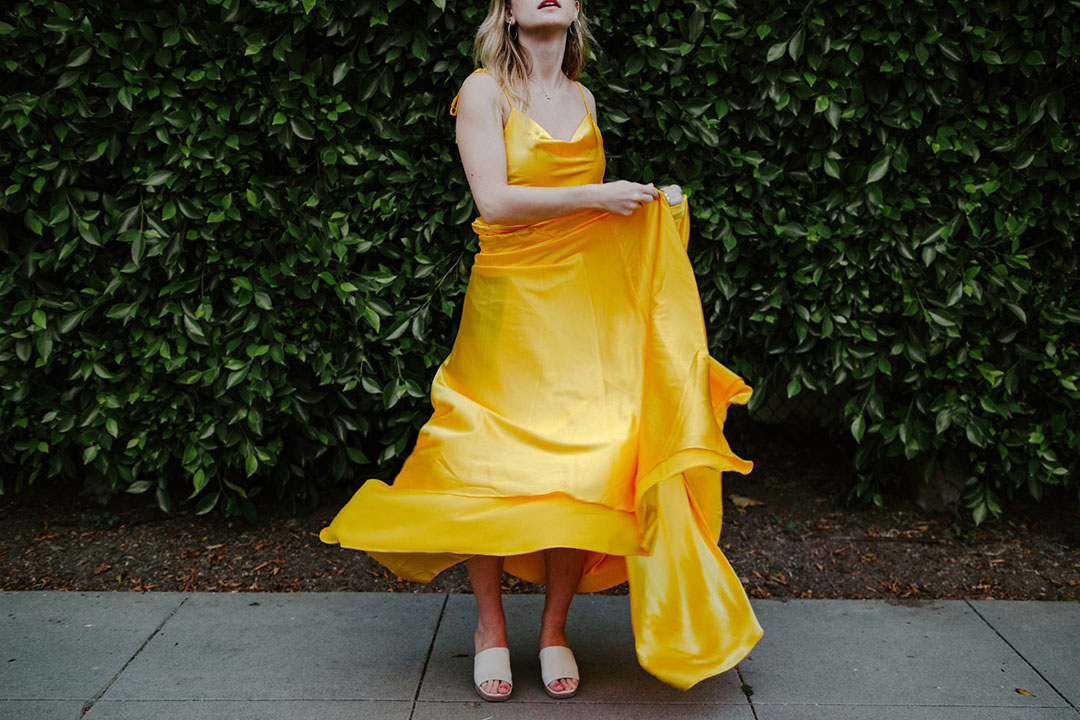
point(579, 407)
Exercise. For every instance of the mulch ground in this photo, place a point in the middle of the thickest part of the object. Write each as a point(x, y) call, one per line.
point(796, 539)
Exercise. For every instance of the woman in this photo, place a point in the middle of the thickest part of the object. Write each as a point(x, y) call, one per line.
point(576, 438)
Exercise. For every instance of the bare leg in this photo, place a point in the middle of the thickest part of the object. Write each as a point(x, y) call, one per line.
point(485, 574)
point(563, 567)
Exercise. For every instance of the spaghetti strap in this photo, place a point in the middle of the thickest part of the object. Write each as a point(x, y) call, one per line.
point(453, 103)
point(580, 90)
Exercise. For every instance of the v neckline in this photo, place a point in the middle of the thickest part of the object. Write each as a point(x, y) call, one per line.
point(573, 138)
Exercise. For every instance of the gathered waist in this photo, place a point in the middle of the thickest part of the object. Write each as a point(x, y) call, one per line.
point(492, 235)
point(560, 236)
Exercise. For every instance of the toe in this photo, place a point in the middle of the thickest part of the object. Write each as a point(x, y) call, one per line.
point(495, 687)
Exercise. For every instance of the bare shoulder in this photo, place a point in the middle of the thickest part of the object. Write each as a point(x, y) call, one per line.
point(589, 98)
point(479, 83)
point(478, 92)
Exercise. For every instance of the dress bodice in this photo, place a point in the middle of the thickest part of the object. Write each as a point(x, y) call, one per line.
point(535, 157)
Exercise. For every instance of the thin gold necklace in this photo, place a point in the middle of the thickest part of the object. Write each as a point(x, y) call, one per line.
point(547, 93)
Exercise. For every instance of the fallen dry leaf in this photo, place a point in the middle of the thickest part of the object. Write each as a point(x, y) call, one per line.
point(1022, 691)
point(743, 501)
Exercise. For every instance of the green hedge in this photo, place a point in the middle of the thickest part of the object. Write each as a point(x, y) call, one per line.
point(235, 235)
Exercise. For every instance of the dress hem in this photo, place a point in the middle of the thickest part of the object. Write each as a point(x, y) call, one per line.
point(512, 527)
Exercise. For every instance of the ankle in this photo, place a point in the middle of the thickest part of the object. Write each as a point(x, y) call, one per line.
point(489, 625)
point(489, 635)
point(552, 635)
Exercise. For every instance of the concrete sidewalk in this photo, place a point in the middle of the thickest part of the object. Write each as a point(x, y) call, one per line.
point(317, 656)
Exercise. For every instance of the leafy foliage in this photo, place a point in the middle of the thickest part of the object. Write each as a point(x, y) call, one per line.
point(235, 235)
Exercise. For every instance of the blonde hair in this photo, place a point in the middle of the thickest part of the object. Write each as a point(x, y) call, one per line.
point(499, 52)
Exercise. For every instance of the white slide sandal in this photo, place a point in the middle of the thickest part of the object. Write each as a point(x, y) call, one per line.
point(557, 662)
point(492, 664)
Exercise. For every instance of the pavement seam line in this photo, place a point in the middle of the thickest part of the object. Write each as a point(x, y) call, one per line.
point(427, 658)
point(90, 704)
point(749, 699)
point(1021, 655)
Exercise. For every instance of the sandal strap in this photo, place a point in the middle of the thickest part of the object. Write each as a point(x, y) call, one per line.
point(556, 662)
point(492, 664)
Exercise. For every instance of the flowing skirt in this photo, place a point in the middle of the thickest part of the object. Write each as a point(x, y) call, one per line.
point(579, 407)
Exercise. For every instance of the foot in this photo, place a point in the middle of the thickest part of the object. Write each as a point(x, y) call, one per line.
point(489, 637)
point(557, 636)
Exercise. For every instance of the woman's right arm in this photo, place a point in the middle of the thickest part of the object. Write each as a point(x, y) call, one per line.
point(483, 155)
